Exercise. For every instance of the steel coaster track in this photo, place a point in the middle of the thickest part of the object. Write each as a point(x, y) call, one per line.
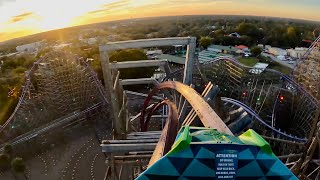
point(256, 116)
point(285, 77)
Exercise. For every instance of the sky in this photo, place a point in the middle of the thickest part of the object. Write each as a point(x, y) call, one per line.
point(24, 17)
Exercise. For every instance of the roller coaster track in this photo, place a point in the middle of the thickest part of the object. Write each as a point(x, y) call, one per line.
point(256, 117)
point(285, 77)
point(54, 124)
point(26, 88)
point(24, 92)
point(205, 113)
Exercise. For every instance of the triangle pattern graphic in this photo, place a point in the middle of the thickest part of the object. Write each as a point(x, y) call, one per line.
point(278, 169)
point(161, 177)
point(157, 168)
point(180, 163)
point(195, 178)
point(205, 153)
point(195, 150)
point(185, 153)
point(246, 154)
point(254, 151)
point(252, 169)
point(288, 177)
point(243, 163)
point(263, 155)
point(198, 169)
point(266, 164)
point(210, 163)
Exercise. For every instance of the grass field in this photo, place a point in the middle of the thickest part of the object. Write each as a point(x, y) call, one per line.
point(280, 68)
point(249, 61)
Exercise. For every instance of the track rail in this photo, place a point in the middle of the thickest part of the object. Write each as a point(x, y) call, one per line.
point(169, 132)
point(27, 85)
point(285, 77)
point(261, 121)
point(205, 113)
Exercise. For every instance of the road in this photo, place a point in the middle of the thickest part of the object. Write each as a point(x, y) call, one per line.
point(273, 58)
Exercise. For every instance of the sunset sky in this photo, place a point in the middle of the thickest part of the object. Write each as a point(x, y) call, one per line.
point(24, 17)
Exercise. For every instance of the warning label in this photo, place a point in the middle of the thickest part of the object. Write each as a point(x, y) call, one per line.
point(226, 164)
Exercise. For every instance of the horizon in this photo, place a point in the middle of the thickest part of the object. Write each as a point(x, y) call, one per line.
point(23, 18)
point(150, 17)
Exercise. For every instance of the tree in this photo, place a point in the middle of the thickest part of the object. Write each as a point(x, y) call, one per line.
point(8, 149)
point(132, 55)
point(292, 37)
point(256, 51)
point(250, 29)
point(18, 165)
point(205, 41)
point(4, 162)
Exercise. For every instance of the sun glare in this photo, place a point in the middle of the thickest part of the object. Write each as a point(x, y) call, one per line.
point(43, 15)
point(60, 13)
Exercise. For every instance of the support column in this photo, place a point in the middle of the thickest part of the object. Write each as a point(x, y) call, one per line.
point(107, 76)
point(190, 56)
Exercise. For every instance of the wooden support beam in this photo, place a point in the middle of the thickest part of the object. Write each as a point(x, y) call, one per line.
point(289, 156)
point(142, 95)
point(130, 141)
point(143, 137)
point(145, 133)
point(135, 64)
point(111, 148)
point(133, 157)
point(141, 43)
point(139, 81)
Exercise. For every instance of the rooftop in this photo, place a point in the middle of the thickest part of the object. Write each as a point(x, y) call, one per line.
point(220, 47)
point(172, 59)
point(242, 47)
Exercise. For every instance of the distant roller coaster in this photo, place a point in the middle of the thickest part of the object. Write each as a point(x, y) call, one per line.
point(58, 85)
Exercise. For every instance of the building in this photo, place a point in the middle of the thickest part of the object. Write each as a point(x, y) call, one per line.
point(32, 47)
point(298, 52)
point(242, 49)
point(172, 59)
point(261, 46)
point(153, 53)
point(258, 68)
point(223, 49)
point(235, 34)
point(90, 41)
point(206, 56)
point(277, 51)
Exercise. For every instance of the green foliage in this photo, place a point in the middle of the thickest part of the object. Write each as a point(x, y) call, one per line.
point(131, 55)
point(4, 162)
point(280, 68)
point(250, 61)
point(205, 41)
point(18, 165)
point(19, 70)
point(42, 52)
point(249, 30)
point(8, 149)
point(292, 37)
point(256, 51)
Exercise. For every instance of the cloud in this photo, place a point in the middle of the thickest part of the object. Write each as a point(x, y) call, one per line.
point(112, 6)
point(20, 17)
